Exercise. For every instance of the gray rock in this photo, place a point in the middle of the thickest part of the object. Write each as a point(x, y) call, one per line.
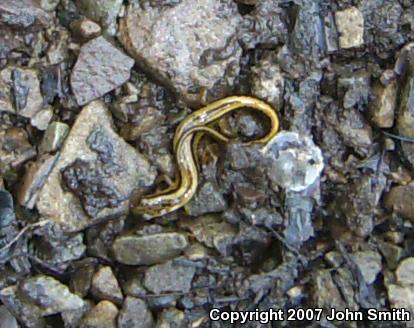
point(400, 199)
point(147, 250)
point(101, 237)
point(334, 258)
point(133, 287)
point(49, 295)
point(105, 286)
point(268, 83)
point(383, 106)
point(41, 119)
point(326, 294)
point(401, 297)
point(100, 68)
point(211, 231)
point(26, 312)
point(355, 130)
point(49, 5)
point(102, 315)
point(369, 262)
point(37, 297)
point(208, 199)
point(53, 138)
point(392, 254)
point(193, 49)
point(58, 50)
point(81, 278)
point(265, 25)
point(23, 14)
point(355, 88)
point(135, 314)
point(6, 318)
point(105, 12)
point(405, 272)
point(295, 162)
point(307, 41)
point(72, 318)
point(169, 277)
point(93, 141)
point(384, 23)
point(350, 24)
point(58, 253)
point(21, 85)
point(171, 318)
point(85, 29)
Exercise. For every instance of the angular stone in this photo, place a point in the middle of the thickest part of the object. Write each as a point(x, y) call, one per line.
point(81, 279)
point(58, 253)
point(100, 68)
point(36, 297)
point(401, 200)
point(26, 312)
point(392, 254)
point(20, 91)
point(24, 15)
point(85, 29)
point(268, 82)
point(190, 48)
point(105, 12)
point(102, 315)
point(265, 25)
point(170, 318)
point(169, 277)
point(326, 294)
point(53, 138)
point(383, 106)
point(208, 199)
point(405, 272)
point(147, 250)
point(211, 231)
point(401, 297)
point(350, 24)
point(93, 140)
point(34, 178)
point(101, 237)
point(105, 286)
point(49, 5)
point(49, 295)
point(369, 262)
point(6, 318)
point(72, 318)
point(355, 88)
point(41, 119)
point(135, 314)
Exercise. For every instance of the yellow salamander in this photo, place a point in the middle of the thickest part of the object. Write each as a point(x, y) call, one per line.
point(186, 184)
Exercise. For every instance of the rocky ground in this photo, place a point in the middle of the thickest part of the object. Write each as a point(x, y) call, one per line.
point(91, 92)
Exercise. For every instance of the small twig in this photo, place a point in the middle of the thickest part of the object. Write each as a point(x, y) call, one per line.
point(22, 232)
point(395, 136)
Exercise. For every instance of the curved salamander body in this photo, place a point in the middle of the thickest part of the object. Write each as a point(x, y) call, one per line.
point(186, 185)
